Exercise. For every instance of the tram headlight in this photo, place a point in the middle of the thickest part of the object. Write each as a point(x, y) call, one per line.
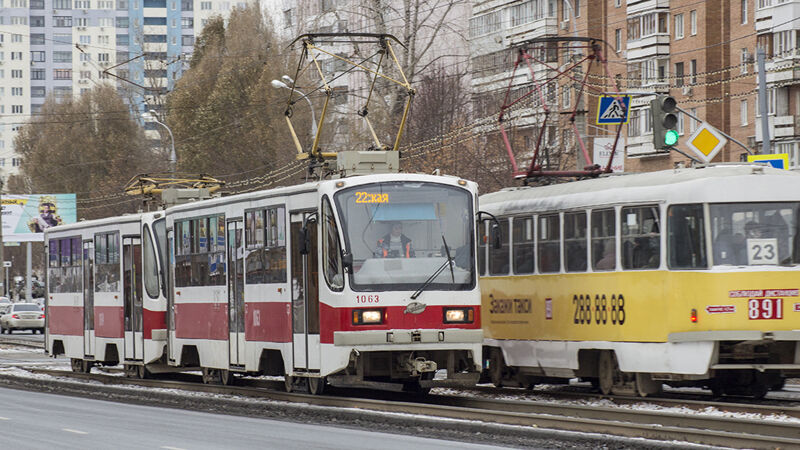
point(367, 316)
point(459, 315)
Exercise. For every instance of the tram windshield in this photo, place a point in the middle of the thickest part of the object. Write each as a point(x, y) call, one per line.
point(399, 234)
point(755, 233)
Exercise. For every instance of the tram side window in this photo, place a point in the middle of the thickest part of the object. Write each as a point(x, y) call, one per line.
point(106, 262)
point(331, 250)
point(200, 252)
point(641, 237)
point(265, 240)
point(549, 243)
point(686, 238)
point(498, 257)
point(755, 233)
point(64, 272)
point(522, 236)
point(150, 264)
point(575, 241)
point(483, 242)
point(604, 240)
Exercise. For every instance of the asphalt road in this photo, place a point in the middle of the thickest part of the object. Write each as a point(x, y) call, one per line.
point(34, 420)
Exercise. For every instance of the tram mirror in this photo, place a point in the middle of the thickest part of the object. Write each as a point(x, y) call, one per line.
point(347, 261)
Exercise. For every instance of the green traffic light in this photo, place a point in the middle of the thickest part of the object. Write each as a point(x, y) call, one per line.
point(671, 137)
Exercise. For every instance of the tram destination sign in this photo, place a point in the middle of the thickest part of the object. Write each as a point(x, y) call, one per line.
point(25, 217)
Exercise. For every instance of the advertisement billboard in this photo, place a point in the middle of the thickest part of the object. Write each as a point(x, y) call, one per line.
point(25, 217)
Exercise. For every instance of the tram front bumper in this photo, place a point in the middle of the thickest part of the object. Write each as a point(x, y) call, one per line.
point(405, 337)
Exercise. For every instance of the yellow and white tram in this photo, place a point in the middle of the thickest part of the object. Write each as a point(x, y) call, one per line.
point(684, 277)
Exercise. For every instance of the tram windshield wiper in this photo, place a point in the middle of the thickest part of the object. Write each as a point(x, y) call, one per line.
point(448, 262)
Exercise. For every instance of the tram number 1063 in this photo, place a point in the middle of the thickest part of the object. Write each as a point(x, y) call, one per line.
point(765, 308)
point(602, 311)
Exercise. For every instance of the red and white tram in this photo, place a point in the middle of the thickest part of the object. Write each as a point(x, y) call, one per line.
point(362, 281)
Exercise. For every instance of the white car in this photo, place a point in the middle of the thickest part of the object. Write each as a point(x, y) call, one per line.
point(22, 316)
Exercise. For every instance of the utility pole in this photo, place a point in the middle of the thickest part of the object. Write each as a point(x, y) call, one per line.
point(2, 244)
point(762, 101)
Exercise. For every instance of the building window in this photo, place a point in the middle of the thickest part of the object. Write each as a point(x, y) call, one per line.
point(37, 21)
point(62, 21)
point(38, 91)
point(693, 22)
point(187, 40)
point(693, 71)
point(62, 57)
point(19, 20)
point(37, 74)
point(16, 73)
point(83, 4)
point(680, 123)
point(82, 22)
point(187, 5)
point(122, 22)
point(37, 4)
point(16, 56)
point(771, 102)
point(155, 38)
point(205, 6)
point(744, 11)
point(102, 40)
point(16, 37)
point(693, 123)
point(122, 5)
point(16, 109)
point(106, 22)
point(618, 40)
point(62, 74)
point(155, 20)
point(62, 4)
point(782, 42)
point(85, 39)
point(287, 18)
point(743, 113)
point(634, 127)
point(16, 92)
point(16, 162)
point(37, 56)
point(37, 39)
point(102, 57)
point(187, 22)
point(679, 74)
point(678, 26)
point(745, 56)
point(85, 57)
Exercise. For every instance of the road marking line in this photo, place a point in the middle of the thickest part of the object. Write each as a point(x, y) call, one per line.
point(74, 431)
point(172, 448)
point(4, 418)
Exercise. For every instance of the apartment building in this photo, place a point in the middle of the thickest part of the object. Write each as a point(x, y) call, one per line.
point(65, 47)
point(699, 52)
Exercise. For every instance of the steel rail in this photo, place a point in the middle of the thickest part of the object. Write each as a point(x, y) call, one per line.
point(732, 432)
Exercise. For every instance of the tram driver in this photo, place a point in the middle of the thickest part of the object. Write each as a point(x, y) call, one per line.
point(395, 244)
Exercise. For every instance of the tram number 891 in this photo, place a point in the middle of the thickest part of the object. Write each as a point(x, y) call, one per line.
point(602, 311)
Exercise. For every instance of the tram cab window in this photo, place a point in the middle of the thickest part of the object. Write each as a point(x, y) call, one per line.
point(265, 245)
point(755, 233)
point(604, 240)
point(686, 241)
point(523, 245)
point(641, 237)
point(498, 257)
point(106, 262)
point(549, 250)
point(400, 233)
point(331, 250)
point(575, 241)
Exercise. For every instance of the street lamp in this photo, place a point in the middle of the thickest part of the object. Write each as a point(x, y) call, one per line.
point(172, 158)
point(285, 85)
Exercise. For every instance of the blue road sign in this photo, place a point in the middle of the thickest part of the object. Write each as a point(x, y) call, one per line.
point(613, 109)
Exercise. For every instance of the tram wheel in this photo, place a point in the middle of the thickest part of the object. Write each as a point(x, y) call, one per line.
point(131, 371)
point(288, 382)
point(77, 365)
point(316, 385)
point(226, 377)
point(645, 385)
point(496, 367)
point(142, 372)
point(211, 376)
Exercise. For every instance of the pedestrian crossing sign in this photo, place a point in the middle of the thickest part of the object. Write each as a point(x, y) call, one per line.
point(613, 109)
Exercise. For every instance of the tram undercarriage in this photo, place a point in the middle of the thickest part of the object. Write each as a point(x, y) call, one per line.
point(414, 371)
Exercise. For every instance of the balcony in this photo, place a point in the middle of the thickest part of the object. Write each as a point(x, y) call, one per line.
point(544, 27)
point(779, 127)
point(770, 13)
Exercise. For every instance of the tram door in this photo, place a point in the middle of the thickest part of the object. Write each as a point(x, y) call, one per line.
point(305, 294)
point(132, 291)
point(88, 298)
point(236, 293)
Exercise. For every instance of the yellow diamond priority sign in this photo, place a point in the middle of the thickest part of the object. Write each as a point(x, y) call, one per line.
point(706, 141)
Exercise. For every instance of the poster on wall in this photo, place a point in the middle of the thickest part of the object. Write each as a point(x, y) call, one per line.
point(25, 217)
point(602, 151)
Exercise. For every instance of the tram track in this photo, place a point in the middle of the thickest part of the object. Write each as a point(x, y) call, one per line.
point(657, 425)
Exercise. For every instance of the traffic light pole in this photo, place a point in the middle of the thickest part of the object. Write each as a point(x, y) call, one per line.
point(731, 138)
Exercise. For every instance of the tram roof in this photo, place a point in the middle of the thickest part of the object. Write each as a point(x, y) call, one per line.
point(712, 183)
